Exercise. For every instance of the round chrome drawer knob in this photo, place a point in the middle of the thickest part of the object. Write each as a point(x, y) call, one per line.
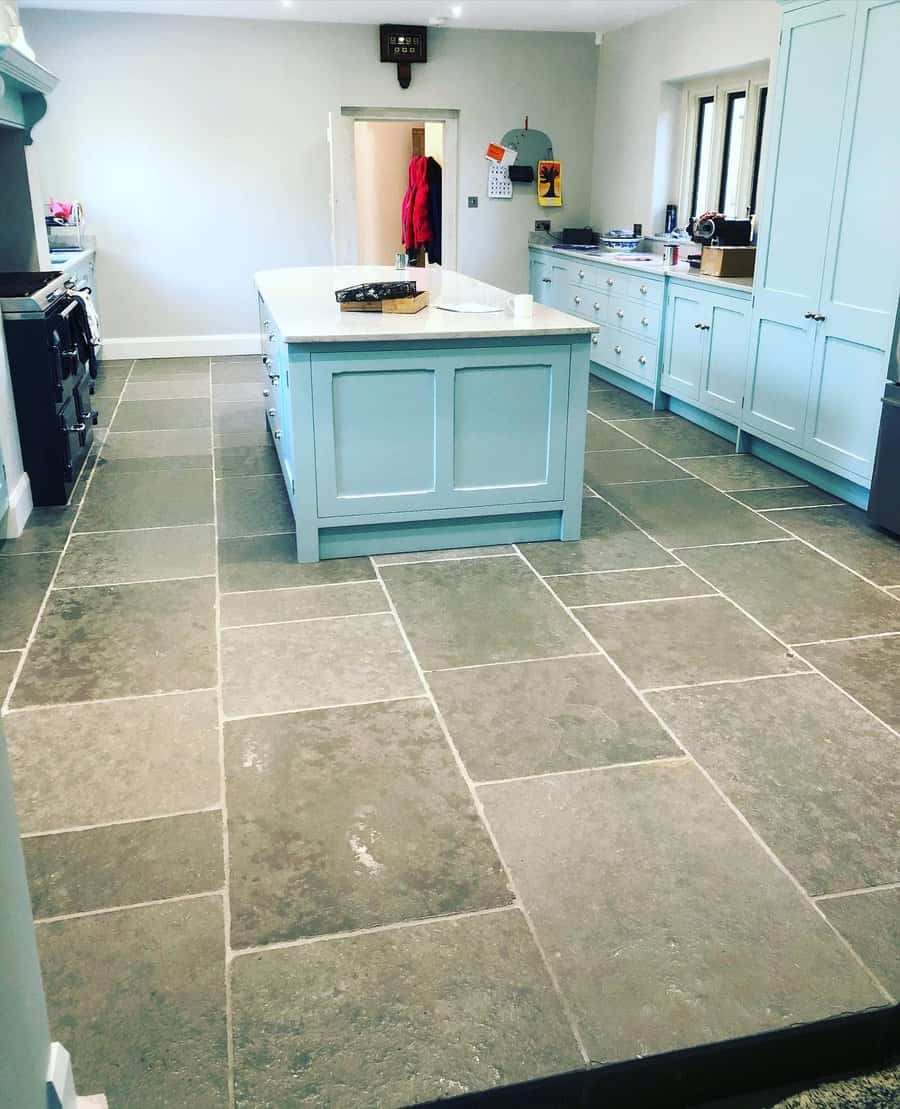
point(642, 358)
point(617, 349)
point(595, 339)
point(620, 313)
point(643, 289)
point(265, 392)
point(581, 273)
point(609, 281)
point(578, 300)
point(267, 361)
point(645, 322)
point(272, 413)
point(596, 305)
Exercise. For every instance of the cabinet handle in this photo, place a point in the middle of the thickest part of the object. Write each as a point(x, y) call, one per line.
point(79, 427)
point(581, 273)
point(642, 358)
point(702, 326)
point(617, 349)
point(596, 305)
point(644, 321)
point(276, 434)
point(609, 281)
point(265, 392)
point(267, 361)
point(620, 313)
point(595, 339)
point(578, 300)
point(271, 412)
point(546, 280)
point(813, 316)
point(274, 378)
point(644, 289)
point(266, 325)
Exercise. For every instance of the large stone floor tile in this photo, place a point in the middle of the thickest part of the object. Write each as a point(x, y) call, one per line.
point(816, 776)
point(798, 594)
point(138, 999)
point(866, 669)
point(9, 660)
point(699, 639)
point(189, 448)
point(238, 371)
point(398, 1017)
point(124, 501)
point(688, 513)
point(123, 864)
point(161, 368)
point(350, 818)
point(617, 467)
point(442, 555)
point(186, 386)
point(270, 606)
point(678, 438)
point(539, 717)
point(871, 924)
point(243, 461)
point(270, 562)
point(615, 586)
point(665, 921)
point(739, 471)
point(114, 760)
point(794, 496)
point(845, 534)
point(315, 664)
point(253, 506)
point(608, 542)
point(615, 404)
point(47, 530)
point(159, 415)
point(121, 640)
point(471, 611)
point(241, 419)
point(23, 584)
point(239, 392)
point(601, 436)
point(129, 556)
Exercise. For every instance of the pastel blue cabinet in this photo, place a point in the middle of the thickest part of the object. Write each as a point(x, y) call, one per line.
point(705, 349)
point(4, 491)
point(549, 280)
point(827, 278)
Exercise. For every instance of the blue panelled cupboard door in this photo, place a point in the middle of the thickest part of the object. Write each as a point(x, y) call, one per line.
point(683, 343)
point(558, 269)
point(811, 85)
point(861, 282)
point(724, 362)
point(539, 279)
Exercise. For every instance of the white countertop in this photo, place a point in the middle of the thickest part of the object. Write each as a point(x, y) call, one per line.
point(301, 301)
point(66, 260)
point(682, 271)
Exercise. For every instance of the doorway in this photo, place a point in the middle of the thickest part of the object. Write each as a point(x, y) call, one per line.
point(383, 150)
point(363, 228)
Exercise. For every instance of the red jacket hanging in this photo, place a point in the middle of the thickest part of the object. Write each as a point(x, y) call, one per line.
point(416, 229)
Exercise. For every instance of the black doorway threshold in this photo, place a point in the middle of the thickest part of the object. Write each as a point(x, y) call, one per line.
point(785, 1060)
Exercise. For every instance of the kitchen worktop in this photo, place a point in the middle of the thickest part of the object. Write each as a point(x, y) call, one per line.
point(681, 272)
point(301, 301)
point(68, 260)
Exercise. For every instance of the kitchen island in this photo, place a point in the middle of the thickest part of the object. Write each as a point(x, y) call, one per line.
point(422, 432)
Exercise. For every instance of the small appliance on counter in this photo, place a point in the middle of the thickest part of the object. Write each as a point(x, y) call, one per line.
point(713, 229)
point(578, 236)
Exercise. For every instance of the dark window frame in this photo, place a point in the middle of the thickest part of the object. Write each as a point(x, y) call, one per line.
point(730, 101)
point(762, 102)
point(702, 101)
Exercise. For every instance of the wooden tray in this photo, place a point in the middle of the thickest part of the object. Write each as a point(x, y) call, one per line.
point(406, 305)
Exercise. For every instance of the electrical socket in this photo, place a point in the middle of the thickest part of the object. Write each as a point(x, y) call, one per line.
point(473, 201)
point(542, 225)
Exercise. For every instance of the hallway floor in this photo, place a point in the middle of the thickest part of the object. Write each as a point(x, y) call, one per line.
point(371, 832)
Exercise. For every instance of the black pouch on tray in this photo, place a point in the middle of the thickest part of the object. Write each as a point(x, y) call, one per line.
point(377, 290)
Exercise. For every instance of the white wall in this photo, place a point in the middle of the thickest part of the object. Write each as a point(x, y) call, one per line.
point(383, 151)
point(198, 147)
point(637, 140)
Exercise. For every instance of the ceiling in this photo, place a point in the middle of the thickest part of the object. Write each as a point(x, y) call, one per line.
point(519, 15)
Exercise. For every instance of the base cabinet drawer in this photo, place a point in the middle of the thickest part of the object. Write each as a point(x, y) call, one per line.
point(627, 355)
point(640, 319)
point(587, 303)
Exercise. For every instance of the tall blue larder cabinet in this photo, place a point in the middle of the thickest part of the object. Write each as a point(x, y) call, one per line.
point(828, 269)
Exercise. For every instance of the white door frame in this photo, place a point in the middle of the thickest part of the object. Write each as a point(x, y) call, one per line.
point(345, 240)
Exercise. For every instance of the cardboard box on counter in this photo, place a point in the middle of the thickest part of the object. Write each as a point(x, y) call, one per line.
point(728, 261)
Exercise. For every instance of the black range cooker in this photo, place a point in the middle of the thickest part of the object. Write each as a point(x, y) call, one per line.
point(52, 366)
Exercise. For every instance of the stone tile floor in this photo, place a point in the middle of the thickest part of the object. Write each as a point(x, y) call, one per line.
point(377, 831)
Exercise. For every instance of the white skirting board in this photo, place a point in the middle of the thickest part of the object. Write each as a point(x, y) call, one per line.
point(61, 1084)
point(180, 346)
point(20, 506)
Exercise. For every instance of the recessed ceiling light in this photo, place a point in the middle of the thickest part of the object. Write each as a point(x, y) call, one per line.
point(287, 3)
point(456, 11)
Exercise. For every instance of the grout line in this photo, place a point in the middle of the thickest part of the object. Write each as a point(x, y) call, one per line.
point(647, 601)
point(136, 581)
point(376, 929)
point(107, 700)
point(855, 893)
point(228, 477)
point(728, 681)
point(847, 639)
point(612, 450)
point(736, 543)
point(11, 651)
point(255, 535)
point(702, 769)
point(293, 588)
point(223, 790)
point(582, 770)
point(449, 558)
point(25, 554)
point(623, 570)
point(322, 708)
point(509, 662)
point(4, 708)
point(646, 481)
point(118, 823)
point(790, 508)
point(479, 808)
point(756, 488)
point(305, 620)
point(125, 908)
point(161, 527)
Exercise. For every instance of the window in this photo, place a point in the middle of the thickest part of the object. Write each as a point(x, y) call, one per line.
point(724, 125)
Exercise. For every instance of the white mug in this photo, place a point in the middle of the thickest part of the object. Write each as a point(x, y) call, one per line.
point(520, 304)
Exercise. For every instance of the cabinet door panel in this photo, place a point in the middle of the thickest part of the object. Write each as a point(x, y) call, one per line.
point(779, 380)
point(845, 404)
point(683, 344)
point(539, 280)
point(559, 284)
point(725, 361)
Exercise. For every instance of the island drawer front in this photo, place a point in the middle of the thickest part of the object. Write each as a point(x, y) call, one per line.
point(439, 429)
